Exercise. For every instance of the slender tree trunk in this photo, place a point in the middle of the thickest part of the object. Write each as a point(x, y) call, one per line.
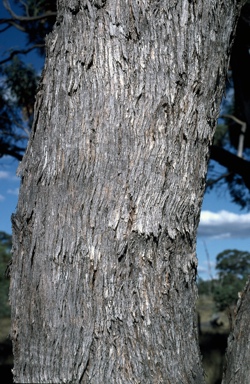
point(104, 265)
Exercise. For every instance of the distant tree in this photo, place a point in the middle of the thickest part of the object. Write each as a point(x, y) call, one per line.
point(226, 291)
point(204, 286)
point(233, 268)
point(5, 240)
point(234, 262)
point(5, 256)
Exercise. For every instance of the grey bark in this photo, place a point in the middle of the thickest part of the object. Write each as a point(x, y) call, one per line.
point(237, 367)
point(104, 262)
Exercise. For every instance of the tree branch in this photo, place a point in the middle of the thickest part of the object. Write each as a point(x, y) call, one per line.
point(11, 23)
point(21, 51)
point(210, 182)
point(13, 151)
point(232, 162)
point(5, 28)
point(26, 18)
point(26, 7)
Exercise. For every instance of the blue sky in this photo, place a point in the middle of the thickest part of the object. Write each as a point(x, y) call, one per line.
point(222, 226)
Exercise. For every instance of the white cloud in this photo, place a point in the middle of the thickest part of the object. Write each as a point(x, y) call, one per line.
point(4, 175)
point(224, 224)
point(202, 269)
point(13, 191)
point(2, 198)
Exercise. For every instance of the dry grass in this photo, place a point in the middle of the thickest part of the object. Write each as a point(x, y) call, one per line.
point(206, 308)
point(4, 329)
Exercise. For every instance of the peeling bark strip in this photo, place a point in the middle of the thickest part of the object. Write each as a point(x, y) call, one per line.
point(104, 265)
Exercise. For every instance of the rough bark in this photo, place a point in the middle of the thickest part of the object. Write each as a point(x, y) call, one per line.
point(104, 264)
point(237, 367)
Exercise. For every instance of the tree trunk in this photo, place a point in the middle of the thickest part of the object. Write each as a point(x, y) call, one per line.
point(237, 367)
point(104, 262)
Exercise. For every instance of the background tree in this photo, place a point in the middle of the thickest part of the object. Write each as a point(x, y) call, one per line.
point(204, 286)
point(232, 261)
point(233, 268)
point(103, 276)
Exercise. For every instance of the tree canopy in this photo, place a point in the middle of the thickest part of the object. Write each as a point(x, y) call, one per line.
point(234, 262)
point(233, 268)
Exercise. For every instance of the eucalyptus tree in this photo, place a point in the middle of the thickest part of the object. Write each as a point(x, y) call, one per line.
point(104, 236)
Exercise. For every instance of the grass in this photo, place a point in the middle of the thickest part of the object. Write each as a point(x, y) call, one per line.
point(4, 329)
point(206, 309)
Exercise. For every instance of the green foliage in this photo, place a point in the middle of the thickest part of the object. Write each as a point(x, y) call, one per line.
point(226, 292)
point(5, 240)
point(233, 268)
point(232, 261)
point(21, 82)
point(5, 256)
point(204, 286)
point(238, 191)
